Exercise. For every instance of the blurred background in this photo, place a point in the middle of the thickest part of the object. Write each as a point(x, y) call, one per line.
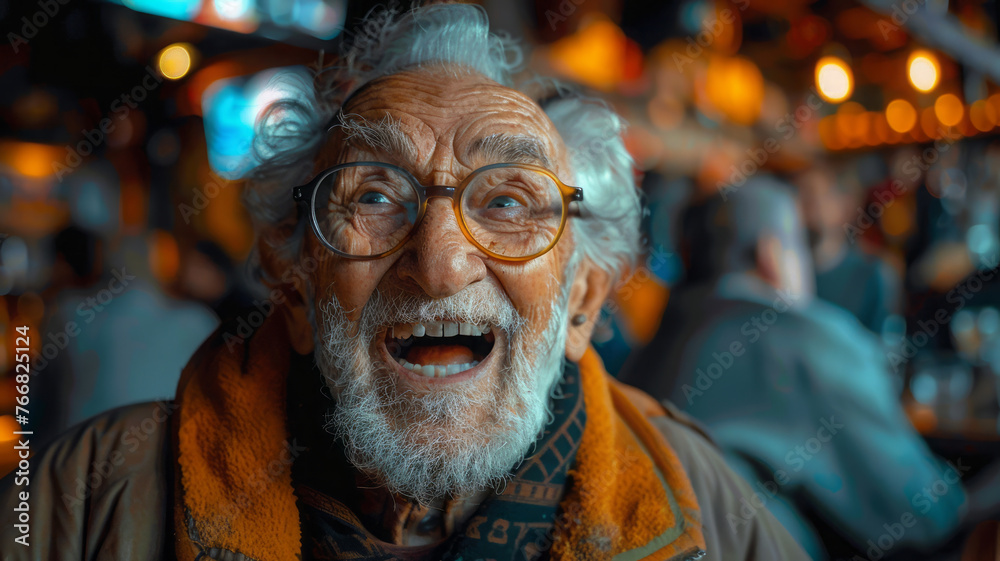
point(125, 127)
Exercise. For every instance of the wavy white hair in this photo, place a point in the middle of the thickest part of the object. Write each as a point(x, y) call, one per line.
point(456, 36)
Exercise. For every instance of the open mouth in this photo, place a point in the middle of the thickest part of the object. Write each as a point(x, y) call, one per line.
point(437, 349)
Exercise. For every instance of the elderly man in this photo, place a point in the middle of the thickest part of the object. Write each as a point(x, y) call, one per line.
point(422, 387)
point(794, 389)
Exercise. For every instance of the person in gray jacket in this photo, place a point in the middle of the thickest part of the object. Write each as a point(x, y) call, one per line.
point(795, 390)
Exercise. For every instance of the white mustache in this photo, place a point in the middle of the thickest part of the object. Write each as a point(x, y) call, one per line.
point(478, 304)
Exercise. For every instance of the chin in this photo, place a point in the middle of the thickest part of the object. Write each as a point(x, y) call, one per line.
point(438, 397)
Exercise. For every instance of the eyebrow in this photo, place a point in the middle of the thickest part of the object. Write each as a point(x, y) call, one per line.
point(385, 135)
point(514, 149)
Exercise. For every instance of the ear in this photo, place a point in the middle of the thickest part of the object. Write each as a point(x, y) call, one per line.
point(591, 286)
point(769, 262)
point(295, 307)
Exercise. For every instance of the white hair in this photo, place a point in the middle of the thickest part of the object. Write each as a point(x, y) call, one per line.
point(456, 37)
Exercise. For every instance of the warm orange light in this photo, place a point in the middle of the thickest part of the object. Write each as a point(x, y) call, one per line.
point(994, 100)
point(881, 133)
point(929, 123)
point(901, 115)
point(735, 86)
point(867, 128)
point(949, 110)
point(31, 159)
point(852, 123)
point(593, 55)
point(7, 426)
point(32, 307)
point(924, 70)
point(164, 256)
point(828, 133)
point(983, 115)
point(834, 79)
point(174, 61)
point(897, 220)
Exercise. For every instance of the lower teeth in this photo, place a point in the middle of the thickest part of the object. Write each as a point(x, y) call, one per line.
point(436, 370)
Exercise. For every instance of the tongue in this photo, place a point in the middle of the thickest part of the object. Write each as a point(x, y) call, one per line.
point(440, 354)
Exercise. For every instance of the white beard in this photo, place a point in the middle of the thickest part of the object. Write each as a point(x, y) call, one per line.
point(445, 442)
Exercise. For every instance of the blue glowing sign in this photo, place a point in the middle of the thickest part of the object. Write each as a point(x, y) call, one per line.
point(323, 19)
point(176, 9)
point(233, 106)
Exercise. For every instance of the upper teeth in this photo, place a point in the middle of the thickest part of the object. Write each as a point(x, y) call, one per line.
point(437, 329)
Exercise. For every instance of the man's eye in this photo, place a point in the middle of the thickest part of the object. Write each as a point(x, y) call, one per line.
point(374, 198)
point(503, 202)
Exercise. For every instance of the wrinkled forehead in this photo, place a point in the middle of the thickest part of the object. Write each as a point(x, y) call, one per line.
point(422, 110)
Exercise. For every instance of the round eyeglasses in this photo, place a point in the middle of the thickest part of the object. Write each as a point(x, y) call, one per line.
point(368, 210)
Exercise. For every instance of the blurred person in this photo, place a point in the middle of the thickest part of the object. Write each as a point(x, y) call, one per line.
point(419, 384)
point(208, 275)
point(846, 275)
point(114, 339)
point(795, 391)
point(77, 261)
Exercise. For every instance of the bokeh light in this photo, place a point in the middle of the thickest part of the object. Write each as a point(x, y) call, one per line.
point(852, 124)
point(735, 87)
point(983, 115)
point(949, 110)
point(901, 115)
point(929, 123)
point(30, 159)
point(232, 9)
point(164, 256)
point(829, 133)
point(834, 79)
point(7, 427)
point(174, 61)
point(923, 70)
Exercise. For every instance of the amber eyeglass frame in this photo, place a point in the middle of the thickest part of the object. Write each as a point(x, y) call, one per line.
point(306, 195)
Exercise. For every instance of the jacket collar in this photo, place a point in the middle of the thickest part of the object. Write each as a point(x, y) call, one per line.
point(629, 499)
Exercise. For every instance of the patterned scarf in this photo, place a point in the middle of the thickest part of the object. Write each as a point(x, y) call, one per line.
point(518, 524)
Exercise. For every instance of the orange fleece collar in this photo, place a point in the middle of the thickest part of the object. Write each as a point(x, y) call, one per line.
point(629, 494)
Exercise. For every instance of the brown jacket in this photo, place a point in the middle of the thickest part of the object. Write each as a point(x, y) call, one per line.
point(105, 490)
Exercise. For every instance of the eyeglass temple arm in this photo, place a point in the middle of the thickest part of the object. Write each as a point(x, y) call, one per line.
point(301, 193)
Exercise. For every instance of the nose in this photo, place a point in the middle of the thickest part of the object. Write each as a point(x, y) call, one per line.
point(439, 259)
